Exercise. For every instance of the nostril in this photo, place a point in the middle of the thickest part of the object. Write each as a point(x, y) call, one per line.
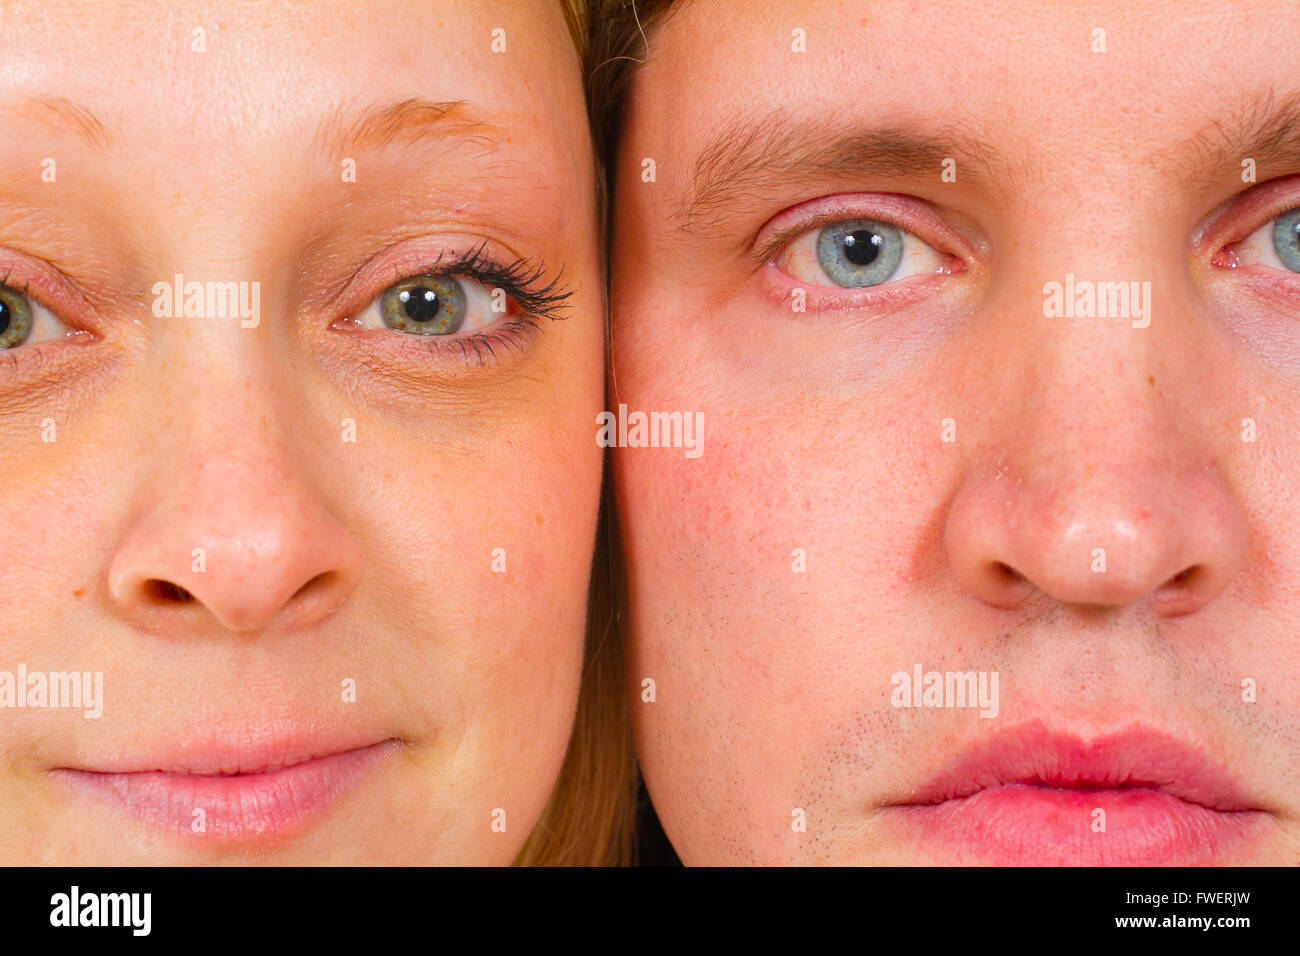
point(1179, 594)
point(320, 582)
point(1182, 581)
point(165, 592)
point(1007, 573)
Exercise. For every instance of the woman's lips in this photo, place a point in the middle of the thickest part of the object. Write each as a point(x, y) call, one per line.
point(1034, 797)
point(228, 794)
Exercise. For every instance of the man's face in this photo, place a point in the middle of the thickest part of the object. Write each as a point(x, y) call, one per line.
point(331, 554)
point(997, 342)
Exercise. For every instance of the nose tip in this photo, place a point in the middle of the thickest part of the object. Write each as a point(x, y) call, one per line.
point(288, 565)
point(1175, 549)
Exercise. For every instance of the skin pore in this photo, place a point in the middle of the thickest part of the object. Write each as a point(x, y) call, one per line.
point(235, 522)
point(924, 472)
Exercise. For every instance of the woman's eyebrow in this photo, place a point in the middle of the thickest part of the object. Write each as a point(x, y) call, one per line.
point(410, 120)
point(747, 159)
point(63, 115)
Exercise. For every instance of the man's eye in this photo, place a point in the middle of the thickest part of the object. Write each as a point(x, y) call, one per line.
point(23, 321)
point(1286, 239)
point(434, 305)
point(1275, 244)
point(855, 253)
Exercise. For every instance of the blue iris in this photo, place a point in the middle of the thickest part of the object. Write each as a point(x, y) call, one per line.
point(859, 252)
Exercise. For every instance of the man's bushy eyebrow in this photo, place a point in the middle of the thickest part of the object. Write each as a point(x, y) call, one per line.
point(747, 158)
point(1266, 129)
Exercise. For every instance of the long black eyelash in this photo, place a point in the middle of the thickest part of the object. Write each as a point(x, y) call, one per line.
point(522, 279)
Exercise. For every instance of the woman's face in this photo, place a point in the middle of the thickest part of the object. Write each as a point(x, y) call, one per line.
point(942, 438)
point(326, 538)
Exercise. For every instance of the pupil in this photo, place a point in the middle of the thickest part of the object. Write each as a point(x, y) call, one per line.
point(862, 246)
point(4, 318)
point(421, 304)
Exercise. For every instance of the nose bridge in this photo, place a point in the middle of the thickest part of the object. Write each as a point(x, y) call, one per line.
point(1087, 303)
point(233, 464)
point(224, 404)
point(1091, 405)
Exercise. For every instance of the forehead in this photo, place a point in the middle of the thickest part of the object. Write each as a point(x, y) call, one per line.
point(250, 73)
point(1077, 80)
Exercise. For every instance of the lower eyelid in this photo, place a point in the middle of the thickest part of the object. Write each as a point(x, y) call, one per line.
point(492, 345)
point(779, 288)
point(45, 360)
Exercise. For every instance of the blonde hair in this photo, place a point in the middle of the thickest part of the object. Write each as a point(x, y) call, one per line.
point(575, 17)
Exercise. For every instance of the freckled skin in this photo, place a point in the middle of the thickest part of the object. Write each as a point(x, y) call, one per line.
point(824, 430)
point(326, 559)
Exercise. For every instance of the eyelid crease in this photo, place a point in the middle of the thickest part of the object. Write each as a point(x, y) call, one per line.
point(54, 290)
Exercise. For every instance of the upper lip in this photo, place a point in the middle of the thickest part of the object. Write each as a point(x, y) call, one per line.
point(1133, 758)
point(226, 750)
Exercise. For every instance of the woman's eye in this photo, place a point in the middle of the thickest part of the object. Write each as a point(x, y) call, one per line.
point(855, 253)
point(434, 305)
point(1275, 244)
point(25, 322)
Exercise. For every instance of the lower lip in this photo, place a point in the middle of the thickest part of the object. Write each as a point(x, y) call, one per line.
point(234, 807)
point(1031, 825)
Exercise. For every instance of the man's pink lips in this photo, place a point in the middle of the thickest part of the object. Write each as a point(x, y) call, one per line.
point(231, 789)
point(1130, 759)
point(1033, 795)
